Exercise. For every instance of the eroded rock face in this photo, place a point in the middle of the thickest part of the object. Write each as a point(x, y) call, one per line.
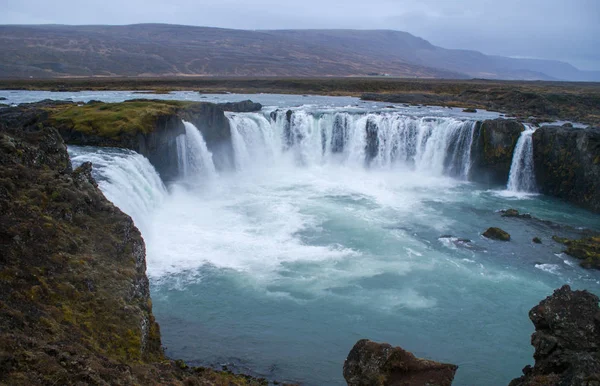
point(493, 149)
point(75, 302)
point(566, 341)
point(377, 364)
point(567, 164)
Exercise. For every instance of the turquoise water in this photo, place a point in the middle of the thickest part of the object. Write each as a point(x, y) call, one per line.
point(279, 268)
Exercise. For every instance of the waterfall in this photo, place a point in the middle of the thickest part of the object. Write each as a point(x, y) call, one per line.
point(522, 177)
point(439, 146)
point(254, 140)
point(126, 178)
point(194, 158)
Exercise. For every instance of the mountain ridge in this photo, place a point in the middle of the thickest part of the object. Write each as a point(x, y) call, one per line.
point(54, 51)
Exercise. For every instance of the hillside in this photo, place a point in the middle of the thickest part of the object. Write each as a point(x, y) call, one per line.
point(47, 51)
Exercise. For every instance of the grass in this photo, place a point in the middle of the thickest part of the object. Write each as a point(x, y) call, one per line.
point(114, 119)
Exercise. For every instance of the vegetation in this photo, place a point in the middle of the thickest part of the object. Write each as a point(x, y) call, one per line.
point(112, 120)
point(545, 100)
point(75, 305)
point(587, 250)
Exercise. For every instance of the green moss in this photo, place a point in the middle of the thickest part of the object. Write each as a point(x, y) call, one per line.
point(496, 234)
point(114, 119)
point(587, 250)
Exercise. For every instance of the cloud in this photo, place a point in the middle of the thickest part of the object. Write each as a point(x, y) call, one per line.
point(555, 29)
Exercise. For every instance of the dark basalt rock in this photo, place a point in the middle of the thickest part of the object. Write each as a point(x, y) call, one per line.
point(515, 214)
point(75, 303)
point(566, 341)
point(379, 364)
point(536, 240)
point(246, 106)
point(567, 164)
point(496, 234)
point(493, 149)
point(469, 110)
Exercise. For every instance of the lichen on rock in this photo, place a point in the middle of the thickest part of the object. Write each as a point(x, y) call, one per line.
point(379, 364)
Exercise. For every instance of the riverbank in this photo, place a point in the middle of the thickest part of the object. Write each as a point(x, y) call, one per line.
point(546, 101)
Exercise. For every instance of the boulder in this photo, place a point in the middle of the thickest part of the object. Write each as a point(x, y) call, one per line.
point(496, 234)
point(380, 364)
point(493, 149)
point(536, 240)
point(567, 164)
point(470, 110)
point(566, 341)
point(514, 213)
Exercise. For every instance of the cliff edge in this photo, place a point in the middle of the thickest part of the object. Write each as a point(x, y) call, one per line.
point(75, 305)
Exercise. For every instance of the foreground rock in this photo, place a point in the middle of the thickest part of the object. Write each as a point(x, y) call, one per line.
point(75, 305)
point(376, 364)
point(567, 164)
point(496, 234)
point(566, 341)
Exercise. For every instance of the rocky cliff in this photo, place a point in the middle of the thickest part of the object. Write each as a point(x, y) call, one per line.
point(567, 164)
point(493, 148)
point(149, 127)
point(75, 306)
point(566, 341)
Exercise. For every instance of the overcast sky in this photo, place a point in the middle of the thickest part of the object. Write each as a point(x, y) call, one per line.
point(567, 30)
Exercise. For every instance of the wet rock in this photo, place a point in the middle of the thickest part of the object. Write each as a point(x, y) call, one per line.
point(514, 213)
point(380, 364)
point(568, 124)
point(536, 240)
point(567, 164)
point(586, 249)
point(470, 110)
point(496, 234)
point(246, 106)
point(493, 147)
point(566, 341)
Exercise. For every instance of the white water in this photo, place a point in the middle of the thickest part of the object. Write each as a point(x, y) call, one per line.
point(312, 243)
point(195, 160)
point(435, 146)
point(127, 179)
point(522, 174)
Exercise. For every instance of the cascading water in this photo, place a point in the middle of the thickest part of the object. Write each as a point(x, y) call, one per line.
point(522, 176)
point(195, 160)
point(434, 145)
point(126, 178)
point(337, 237)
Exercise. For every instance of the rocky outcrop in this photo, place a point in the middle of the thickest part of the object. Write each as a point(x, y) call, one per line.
point(566, 341)
point(376, 364)
point(493, 149)
point(149, 127)
point(75, 305)
point(586, 249)
point(567, 164)
point(246, 106)
point(496, 234)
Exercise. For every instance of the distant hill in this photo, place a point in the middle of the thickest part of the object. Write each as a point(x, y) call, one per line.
point(46, 51)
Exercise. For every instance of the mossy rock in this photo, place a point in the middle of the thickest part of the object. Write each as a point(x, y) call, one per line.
point(586, 249)
point(112, 120)
point(496, 234)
